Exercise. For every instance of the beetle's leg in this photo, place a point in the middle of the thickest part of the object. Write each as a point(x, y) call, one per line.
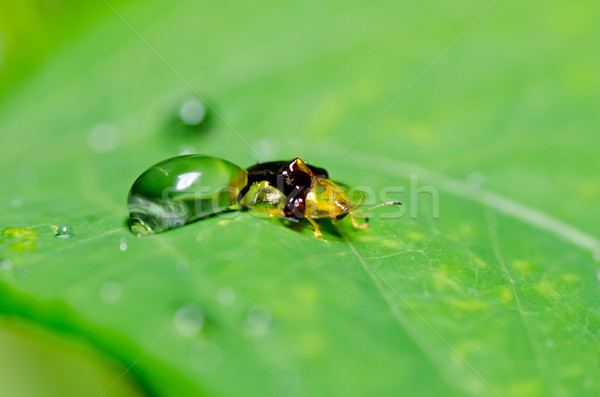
point(356, 224)
point(314, 224)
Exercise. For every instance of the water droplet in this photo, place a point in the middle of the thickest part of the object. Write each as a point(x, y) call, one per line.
point(27, 177)
point(549, 343)
point(16, 203)
point(110, 292)
point(199, 238)
point(103, 138)
point(226, 296)
point(284, 382)
point(188, 320)
point(6, 265)
point(63, 231)
point(475, 180)
point(205, 356)
point(259, 318)
point(192, 112)
point(123, 245)
point(181, 190)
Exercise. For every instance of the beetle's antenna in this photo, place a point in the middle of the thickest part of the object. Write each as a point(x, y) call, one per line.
point(379, 205)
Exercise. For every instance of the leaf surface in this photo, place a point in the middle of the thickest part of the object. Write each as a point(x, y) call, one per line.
point(498, 295)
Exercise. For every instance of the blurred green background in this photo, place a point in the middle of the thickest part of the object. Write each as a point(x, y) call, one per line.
point(495, 106)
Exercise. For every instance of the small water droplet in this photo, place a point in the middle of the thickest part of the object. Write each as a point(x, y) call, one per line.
point(259, 318)
point(123, 245)
point(475, 180)
point(103, 138)
point(6, 265)
point(549, 343)
point(192, 112)
point(226, 296)
point(205, 356)
point(188, 320)
point(110, 292)
point(16, 203)
point(63, 231)
point(199, 238)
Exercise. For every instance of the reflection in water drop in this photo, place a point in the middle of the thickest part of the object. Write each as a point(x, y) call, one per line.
point(205, 356)
point(475, 180)
point(110, 292)
point(192, 112)
point(549, 343)
point(226, 296)
point(103, 138)
point(188, 320)
point(63, 231)
point(259, 318)
point(6, 265)
point(123, 245)
point(199, 238)
point(185, 180)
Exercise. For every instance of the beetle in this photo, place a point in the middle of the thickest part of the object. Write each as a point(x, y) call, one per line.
point(185, 188)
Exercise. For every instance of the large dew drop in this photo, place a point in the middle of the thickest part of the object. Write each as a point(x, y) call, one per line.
point(181, 190)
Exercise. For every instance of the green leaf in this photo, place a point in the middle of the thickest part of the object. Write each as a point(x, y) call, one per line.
point(497, 294)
